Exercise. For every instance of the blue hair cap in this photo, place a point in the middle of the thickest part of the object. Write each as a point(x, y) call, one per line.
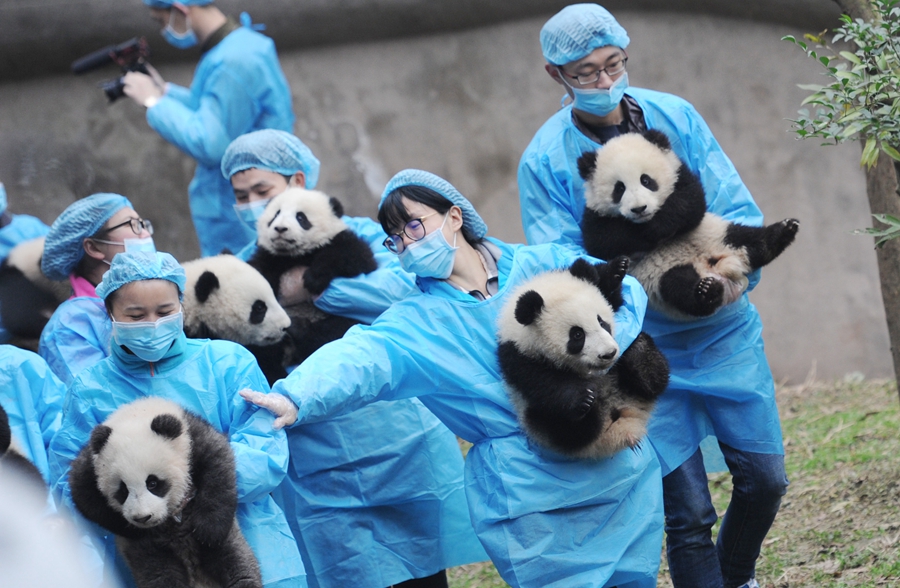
point(576, 30)
point(141, 265)
point(83, 218)
point(271, 150)
point(164, 4)
point(416, 177)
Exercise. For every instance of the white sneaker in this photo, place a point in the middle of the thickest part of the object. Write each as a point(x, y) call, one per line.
point(752, 583)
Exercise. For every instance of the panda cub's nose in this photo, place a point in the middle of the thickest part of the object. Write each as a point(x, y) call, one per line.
point(639, 209)
point(142, 520)
point(280, 229)
point(608, 355)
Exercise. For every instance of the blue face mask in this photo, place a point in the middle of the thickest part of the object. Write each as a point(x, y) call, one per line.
point(250, 212)
point(2, 198)
point(149, 340)
point(133, 245)
point(600, 101)
point(431, 256)
point(184, 40)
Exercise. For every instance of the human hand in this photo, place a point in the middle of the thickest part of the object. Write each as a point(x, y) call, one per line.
point(290, 288)
point(140, 87)
point(157, 78)
point(278, 404)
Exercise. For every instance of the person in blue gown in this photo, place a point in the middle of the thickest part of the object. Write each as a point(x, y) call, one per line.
point(32, 398)
point(79, 247)
point(15, 229)
point(152, 357)
point(544, 519)
point(238, 87)
point(375, 497)
point(720, 382)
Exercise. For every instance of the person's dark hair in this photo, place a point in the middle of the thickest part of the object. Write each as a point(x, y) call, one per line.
point(393, 215)
point(110, 299)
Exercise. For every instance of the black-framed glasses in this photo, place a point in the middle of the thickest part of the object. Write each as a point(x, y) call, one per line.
point(137, 225)
point(612, 70)
point(414, 229)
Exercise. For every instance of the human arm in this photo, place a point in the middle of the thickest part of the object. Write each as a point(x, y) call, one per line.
point(548, 210)
point(75, 338)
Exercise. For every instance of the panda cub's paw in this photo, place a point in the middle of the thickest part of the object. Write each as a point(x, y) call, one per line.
point(584, 404)
point(618, 268)
point(709, 293)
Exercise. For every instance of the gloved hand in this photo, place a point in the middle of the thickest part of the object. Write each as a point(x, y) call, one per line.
point(291, 289)
point(141, 88)
point(278, 404)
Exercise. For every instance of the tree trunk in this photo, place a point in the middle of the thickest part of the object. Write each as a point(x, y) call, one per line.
point(884, 198)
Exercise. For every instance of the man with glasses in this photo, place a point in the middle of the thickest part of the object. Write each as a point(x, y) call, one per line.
point(79, 248)
point(720, 380)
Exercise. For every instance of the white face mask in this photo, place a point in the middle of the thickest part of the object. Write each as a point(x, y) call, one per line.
point(133, 245)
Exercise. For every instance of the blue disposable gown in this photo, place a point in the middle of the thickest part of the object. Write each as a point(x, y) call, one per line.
point(75, 337)
point(720, 380)
point(21, 228)
point(32, 397)
point(545, 520)
point(376, 496)
point(238, 87)
point(204, 377)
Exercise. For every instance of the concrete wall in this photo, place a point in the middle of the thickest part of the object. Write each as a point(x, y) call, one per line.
point(464, 105)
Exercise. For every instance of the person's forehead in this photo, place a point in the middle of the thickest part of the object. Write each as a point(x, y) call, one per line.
point(596, 58)
point(147, 293)
point(250, 177)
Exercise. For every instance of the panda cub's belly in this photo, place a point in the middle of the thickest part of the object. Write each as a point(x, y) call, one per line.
point(705, 249)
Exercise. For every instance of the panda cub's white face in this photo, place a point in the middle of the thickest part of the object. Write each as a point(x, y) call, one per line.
point(297, 221)
point(573, 326)
point(143, 474)
point(632, 178)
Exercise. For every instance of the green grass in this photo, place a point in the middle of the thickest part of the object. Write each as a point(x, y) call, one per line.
point(839, 524)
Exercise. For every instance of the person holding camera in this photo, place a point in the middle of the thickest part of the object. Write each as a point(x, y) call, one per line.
point(238, 87)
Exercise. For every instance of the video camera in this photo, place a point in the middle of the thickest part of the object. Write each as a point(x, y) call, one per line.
point(130, 56)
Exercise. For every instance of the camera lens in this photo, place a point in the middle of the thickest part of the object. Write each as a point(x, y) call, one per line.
point(114, 89)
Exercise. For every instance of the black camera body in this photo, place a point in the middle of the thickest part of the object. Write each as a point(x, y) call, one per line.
point(131, 55)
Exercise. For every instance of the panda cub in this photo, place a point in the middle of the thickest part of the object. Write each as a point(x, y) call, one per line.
point(27, 295)
point(11, 460)
point(570, 388)
point(644, 202)
point(163, 480)
point(303, 228)
point(225, 298)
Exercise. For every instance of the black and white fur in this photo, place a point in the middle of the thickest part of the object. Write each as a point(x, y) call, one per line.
point(644, 202)
point(163, 480)
point(226, 298)
point(303, 228)
point(27, 297)
point(571, 390)
point(12, 460)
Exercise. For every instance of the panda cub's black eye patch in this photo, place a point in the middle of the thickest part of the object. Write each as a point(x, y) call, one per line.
point(156, 486)
point(604, 325)
point(618, 191)
point(258, 312)
point(121, 494)
point(649, 183)
point(576, 340)
point(304, 222)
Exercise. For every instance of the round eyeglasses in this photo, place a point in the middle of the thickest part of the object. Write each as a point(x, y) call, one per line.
point(137, 225)
point(612, 70)
point(414, 229)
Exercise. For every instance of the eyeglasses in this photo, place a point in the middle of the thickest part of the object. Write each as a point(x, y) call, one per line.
point(137, 225)
point(414, 229)
point(612, 70)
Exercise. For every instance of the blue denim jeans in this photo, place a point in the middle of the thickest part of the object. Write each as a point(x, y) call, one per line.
point(694, 562)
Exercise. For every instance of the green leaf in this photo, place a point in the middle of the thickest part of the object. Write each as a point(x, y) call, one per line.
point(869, 150)
point(850, 57)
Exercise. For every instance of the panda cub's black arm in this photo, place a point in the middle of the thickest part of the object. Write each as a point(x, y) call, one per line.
point(607, 237)
point(642, 370)
point(90, 502)
point(547, 389)
point(214, 481)
point(346, 256)
point(680, 213)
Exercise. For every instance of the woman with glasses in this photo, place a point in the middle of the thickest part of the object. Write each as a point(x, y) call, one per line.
point(544, 519)
point(80, 246)
point(720, 382)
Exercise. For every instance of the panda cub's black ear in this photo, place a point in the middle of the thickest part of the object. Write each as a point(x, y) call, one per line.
point(584, 270)
point(99, 436)
point(206, 284)
point(587, 163)
point(529, 307)
point(166, 425)
point(336, 207)
point(659, 139)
